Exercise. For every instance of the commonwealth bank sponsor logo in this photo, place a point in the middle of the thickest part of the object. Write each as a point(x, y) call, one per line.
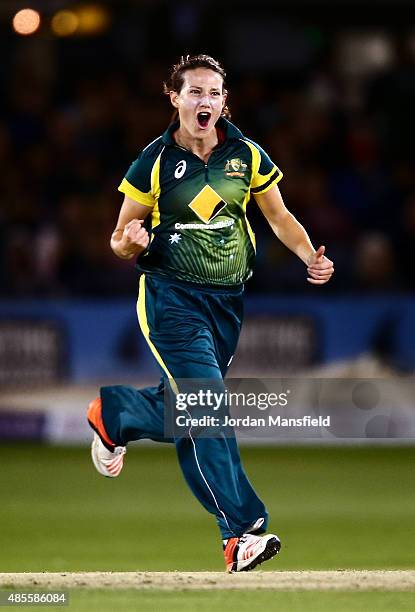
point(207, 204)
point(205, 226)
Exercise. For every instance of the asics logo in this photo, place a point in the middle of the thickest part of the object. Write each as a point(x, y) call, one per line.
point(180, 169)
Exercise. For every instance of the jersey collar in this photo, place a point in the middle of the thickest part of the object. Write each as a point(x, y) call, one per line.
point(230, 131)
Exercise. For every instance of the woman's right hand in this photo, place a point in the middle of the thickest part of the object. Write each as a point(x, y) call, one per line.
point(133, 240)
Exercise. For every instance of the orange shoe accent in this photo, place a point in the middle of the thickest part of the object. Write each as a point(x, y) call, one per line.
point(94, 415)
point(228, 552)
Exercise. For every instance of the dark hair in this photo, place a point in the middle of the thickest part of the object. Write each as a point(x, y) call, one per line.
point(175, 81)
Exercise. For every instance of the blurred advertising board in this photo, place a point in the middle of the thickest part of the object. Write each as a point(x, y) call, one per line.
point(276, 343)
point(32, 353)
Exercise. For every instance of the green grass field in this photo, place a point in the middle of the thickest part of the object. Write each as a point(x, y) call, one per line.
point(87, 600)
point(248, 602)
point(153, 601)
point(332, 508)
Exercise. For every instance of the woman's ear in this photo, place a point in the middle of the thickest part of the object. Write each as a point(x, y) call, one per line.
point(174, 98)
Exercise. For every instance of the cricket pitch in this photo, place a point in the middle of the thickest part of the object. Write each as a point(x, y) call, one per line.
point(339, 580)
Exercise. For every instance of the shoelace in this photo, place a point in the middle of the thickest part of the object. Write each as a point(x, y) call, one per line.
point(245, 537)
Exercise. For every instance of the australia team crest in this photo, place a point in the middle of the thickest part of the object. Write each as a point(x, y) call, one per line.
point(235, 167)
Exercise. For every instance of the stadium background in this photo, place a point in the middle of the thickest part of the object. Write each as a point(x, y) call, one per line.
point(329, 92)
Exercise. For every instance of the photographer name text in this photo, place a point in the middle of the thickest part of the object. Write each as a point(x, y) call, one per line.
point(249, 421)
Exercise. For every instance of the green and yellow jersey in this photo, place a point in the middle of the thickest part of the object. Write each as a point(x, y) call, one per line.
point(200, 232)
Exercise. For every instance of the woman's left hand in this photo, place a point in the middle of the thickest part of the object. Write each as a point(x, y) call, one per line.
point(319, 267)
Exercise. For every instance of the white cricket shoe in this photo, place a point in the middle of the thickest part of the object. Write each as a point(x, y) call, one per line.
point(108, 463)
point(244, 553)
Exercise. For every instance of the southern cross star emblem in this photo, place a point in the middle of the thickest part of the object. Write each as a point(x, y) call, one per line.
point(174, 238)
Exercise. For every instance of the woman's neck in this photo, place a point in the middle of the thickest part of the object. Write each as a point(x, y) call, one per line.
point(202, 147)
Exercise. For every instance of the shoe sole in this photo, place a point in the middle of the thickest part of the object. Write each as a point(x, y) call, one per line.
point(272, 548)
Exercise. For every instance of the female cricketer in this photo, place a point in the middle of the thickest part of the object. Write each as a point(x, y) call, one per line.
point(196, 181)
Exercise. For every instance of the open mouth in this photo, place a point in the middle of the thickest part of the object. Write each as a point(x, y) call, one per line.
point(203, 119)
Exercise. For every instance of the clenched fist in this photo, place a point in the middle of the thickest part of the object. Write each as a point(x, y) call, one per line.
point(135, 234)
point(133, 240)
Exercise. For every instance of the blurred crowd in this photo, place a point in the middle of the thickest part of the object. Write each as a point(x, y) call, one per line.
point(69, 132)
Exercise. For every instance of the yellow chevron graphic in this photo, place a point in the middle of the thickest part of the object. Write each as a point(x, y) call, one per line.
point(207, 204)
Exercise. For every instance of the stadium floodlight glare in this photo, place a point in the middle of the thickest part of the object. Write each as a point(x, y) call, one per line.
point(64, 23)
point(81, 20)
point(94, 19)
point(26, 22)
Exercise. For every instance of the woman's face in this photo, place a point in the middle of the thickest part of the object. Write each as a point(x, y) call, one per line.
point(200, 101)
